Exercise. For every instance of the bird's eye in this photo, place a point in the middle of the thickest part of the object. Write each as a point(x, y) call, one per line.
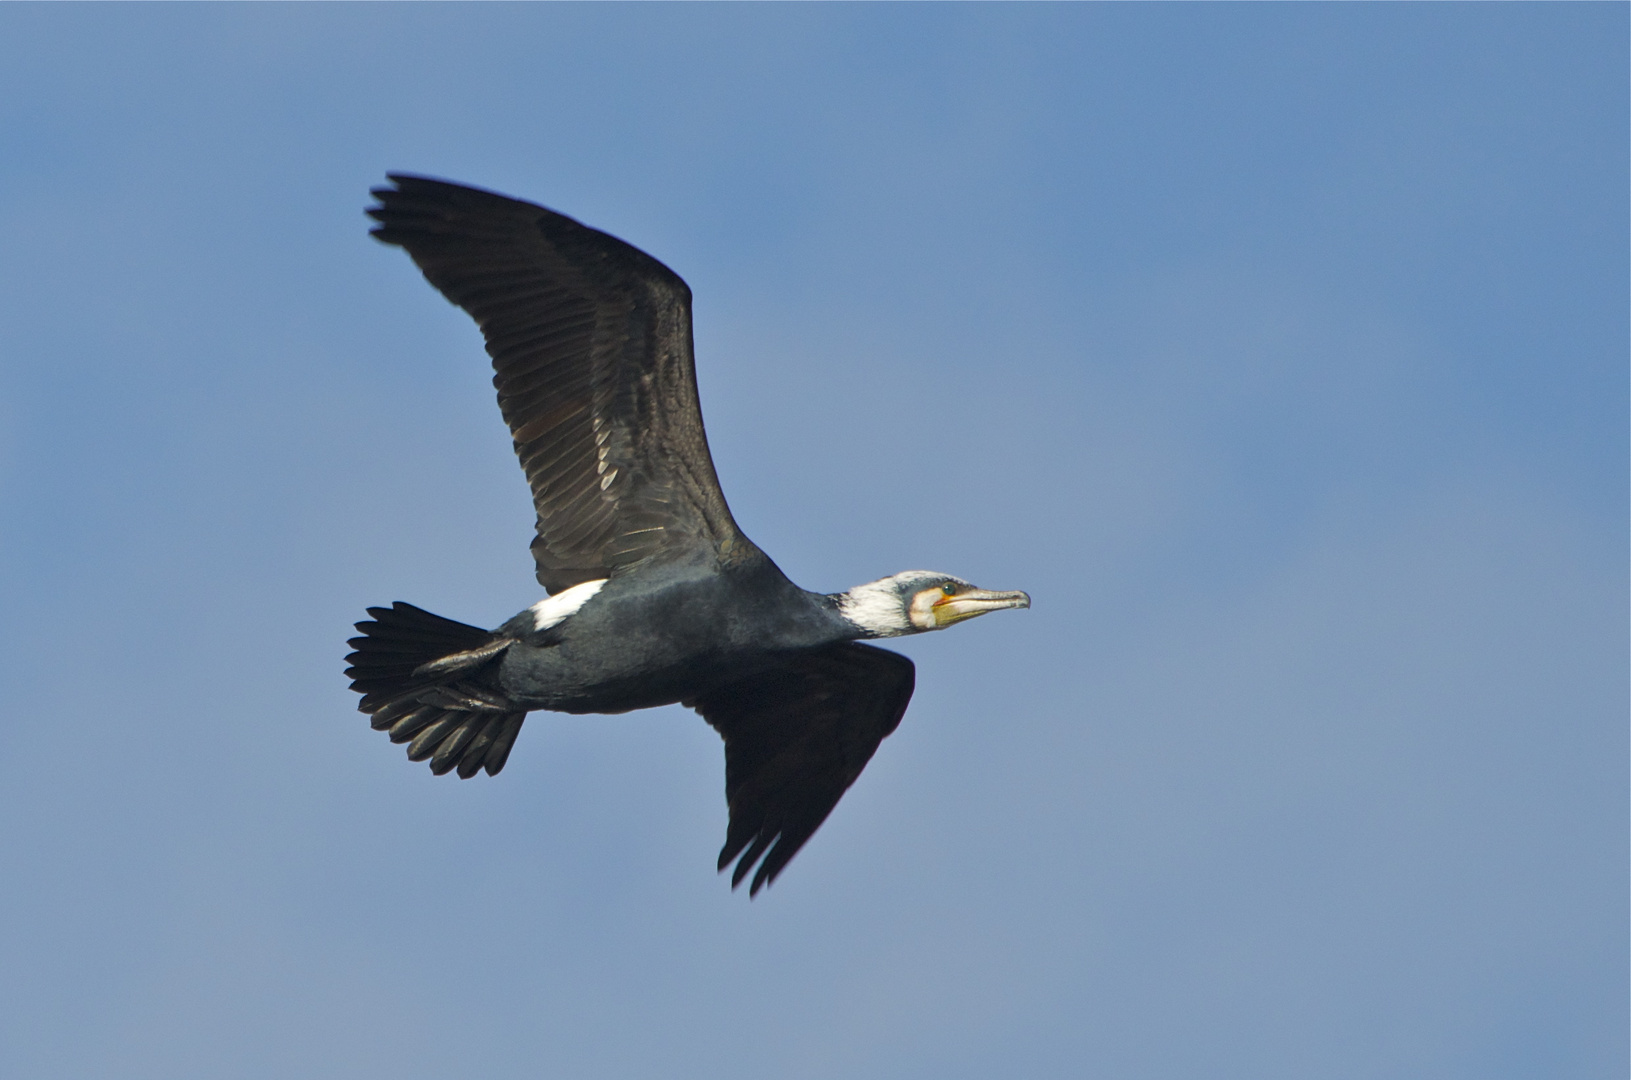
point(949, 589)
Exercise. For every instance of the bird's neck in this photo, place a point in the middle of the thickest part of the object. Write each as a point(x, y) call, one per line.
point(872, 610)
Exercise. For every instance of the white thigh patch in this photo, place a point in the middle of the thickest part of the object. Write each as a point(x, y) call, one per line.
point(553, 610)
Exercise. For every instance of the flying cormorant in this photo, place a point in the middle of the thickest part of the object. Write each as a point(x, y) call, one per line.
point(655, 597)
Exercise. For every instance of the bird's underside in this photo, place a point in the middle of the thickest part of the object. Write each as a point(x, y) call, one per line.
point(799, 726)
point(657, 596)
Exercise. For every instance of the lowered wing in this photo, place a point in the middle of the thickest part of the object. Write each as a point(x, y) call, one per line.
point(796, 737)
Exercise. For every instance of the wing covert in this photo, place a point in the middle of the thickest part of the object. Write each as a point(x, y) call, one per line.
point(796, 737)
point(592, 356)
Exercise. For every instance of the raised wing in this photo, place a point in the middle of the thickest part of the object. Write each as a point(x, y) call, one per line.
point(796, 737)
point(591, 347)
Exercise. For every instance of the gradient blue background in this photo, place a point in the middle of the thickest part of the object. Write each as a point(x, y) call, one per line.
point(1279, 351)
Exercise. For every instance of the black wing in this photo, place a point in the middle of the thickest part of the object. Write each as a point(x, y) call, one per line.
point(591, 345)
point(796, 737)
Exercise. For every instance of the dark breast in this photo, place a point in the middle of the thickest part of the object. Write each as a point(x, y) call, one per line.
point(668, 634)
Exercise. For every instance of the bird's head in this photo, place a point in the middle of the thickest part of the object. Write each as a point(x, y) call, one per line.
point(917, 600)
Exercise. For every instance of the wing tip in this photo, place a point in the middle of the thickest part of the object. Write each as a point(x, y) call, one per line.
point(766, 851)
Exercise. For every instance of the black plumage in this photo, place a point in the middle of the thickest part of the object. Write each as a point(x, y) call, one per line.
point(657, 597)
point(591, 347)
point(797, 735)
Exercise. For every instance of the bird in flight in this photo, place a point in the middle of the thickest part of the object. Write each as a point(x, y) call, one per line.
point(655, 596)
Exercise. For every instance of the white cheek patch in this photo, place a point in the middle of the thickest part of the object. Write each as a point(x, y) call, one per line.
point(922, 610)
point(554, 610)
point(874, 607)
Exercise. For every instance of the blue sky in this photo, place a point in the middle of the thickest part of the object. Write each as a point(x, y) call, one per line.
point(1278, 351)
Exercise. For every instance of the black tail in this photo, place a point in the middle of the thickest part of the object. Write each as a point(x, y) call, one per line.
point(419, 677)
